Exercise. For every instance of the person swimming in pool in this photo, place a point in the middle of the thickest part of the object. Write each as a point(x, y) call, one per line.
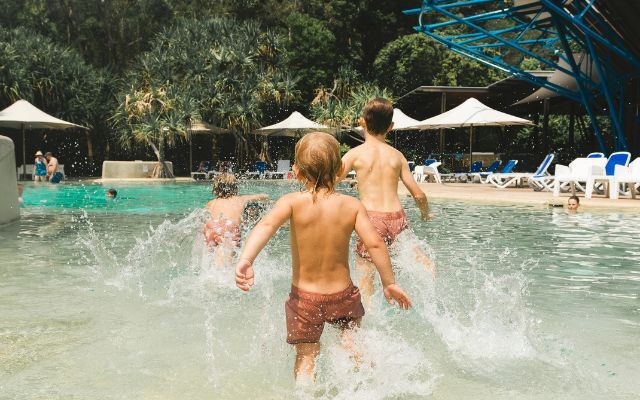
point(223, 228)
point(112, 193)
point(322, 222)
point(573, 204)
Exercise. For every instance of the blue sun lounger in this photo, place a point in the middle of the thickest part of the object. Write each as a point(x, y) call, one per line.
point(503, 180)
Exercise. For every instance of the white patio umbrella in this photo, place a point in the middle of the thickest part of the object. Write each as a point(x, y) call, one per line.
point(401, 122)
point(294, 125)
point(22, 114)
point(470, 114)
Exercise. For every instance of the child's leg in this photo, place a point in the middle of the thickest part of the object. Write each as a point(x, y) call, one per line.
point(347, 331)
point(306, 354)
point(425, 260)
point(367, 272)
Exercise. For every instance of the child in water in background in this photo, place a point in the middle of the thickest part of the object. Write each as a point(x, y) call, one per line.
point(321, 224)
point(223, 228)
point(573, 204)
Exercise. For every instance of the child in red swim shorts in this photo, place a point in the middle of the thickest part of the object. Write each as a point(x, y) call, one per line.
point(321, 224)
point(379, 167)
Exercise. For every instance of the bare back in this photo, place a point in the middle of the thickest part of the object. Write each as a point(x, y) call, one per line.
point(320, 234)
point(378, 167)
point(231, 208)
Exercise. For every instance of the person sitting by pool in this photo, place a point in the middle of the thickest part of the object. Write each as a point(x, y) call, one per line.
point(112, 193)
point(573, 204)
point(39, 168)
point(378, 168)
point(322, 222)
point(53, 175)
point(223, 228)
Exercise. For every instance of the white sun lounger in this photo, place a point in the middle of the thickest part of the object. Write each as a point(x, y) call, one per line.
point(575, 173)
point(626, 175)
point(284, 166)
point(605, 173)
point(503, 181)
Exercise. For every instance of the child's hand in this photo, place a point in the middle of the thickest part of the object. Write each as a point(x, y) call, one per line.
point(244, 275)
point(394, 295)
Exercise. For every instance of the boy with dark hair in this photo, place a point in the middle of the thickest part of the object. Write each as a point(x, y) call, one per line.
point(378, 168)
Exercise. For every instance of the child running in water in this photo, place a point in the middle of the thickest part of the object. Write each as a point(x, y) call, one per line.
point(378, 168)
point(223, 228)
point(321, 224)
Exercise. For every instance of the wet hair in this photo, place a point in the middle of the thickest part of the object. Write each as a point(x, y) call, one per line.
point(112, 192)
point(318, 160)
point(378, 115)
point(225, 185)
point(574, 198)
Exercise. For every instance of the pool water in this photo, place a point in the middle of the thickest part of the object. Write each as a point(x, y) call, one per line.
point(119, 299)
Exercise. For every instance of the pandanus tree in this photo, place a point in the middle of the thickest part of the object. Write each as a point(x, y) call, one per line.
point(155, 116)
point(231, 71)
point(341, 105)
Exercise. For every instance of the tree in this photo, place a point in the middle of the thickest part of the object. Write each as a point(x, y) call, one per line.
point(230, 70)
point(408, 62)
point(156, 116)
point(55, 79)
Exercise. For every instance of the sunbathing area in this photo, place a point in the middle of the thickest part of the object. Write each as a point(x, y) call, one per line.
point(283, 199)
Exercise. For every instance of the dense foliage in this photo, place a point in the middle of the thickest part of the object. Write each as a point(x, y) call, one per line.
point(137, 72)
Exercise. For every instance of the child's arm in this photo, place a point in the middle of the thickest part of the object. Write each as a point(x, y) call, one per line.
point(380, 257)
point(347, 165)
point(254, 197)
point(258, 238)
point(414, 189)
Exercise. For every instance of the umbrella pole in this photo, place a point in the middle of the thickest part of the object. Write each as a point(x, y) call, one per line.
point(470, 146)
point(24, 154)
point(190, 153)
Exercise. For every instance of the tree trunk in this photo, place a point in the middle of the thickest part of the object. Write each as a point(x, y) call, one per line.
point(161, 170)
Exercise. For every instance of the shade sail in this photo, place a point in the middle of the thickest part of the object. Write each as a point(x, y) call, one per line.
point(471, 113)
point(23, 114)
point(292, 126)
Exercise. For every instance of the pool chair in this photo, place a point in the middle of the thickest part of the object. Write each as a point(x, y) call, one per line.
point(604, 174)
point(502, 180)
point(429, 161)
point(475, 168)
point(260, 170)
point(482, 175)
point(431, 171)
point(574, 174)
point(595, 155)
point(629, 175)
point(507, 169)
point(418, 173)
point(283, 168)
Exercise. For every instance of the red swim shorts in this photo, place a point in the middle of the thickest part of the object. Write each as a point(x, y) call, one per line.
point(388, 224)
point(307, 312)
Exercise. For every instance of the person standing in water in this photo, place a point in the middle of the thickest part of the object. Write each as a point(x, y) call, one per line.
point(378, 168)
point(40, 168)
point(321, 224)
point(223, 228)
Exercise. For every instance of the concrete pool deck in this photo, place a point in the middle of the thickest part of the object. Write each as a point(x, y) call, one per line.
point(473, 192)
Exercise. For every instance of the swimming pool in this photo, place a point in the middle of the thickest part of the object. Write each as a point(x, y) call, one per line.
point(117, 300)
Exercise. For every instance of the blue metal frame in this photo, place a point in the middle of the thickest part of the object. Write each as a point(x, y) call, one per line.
point(548, 31)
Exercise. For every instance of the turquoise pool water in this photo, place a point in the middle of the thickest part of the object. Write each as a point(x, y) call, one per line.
point(119, 300)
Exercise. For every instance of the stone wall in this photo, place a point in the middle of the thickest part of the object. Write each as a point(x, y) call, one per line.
point(130, 169)
point(9, 207)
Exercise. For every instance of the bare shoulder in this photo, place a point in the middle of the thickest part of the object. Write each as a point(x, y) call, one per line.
point(348, 202)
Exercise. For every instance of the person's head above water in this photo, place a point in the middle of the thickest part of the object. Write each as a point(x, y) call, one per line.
point(573, 203)
point(317, 161)
point(225, 185)
point(112, 193)
point(377, 116)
